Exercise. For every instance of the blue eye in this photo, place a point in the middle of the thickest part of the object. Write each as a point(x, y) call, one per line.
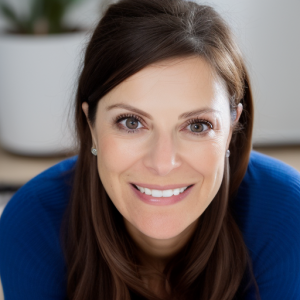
point(130, 123)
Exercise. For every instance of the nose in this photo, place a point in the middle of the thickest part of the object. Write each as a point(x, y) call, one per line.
point(161, 156)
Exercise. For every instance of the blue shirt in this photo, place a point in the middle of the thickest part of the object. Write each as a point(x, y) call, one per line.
point(266, 209)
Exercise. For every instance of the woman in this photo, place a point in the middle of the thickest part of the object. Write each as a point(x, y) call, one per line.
point(165, 199)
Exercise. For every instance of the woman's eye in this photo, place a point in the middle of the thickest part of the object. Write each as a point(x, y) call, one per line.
point(133, 124)
point(199, 127)
point(130, 124)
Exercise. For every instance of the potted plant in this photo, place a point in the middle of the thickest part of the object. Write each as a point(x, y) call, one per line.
point(39, 59)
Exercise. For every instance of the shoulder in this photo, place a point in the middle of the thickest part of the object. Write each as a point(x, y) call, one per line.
point(269, 187)
point(267, 210)
point(269, 183)
point(269, 195)
point(268, 171)
point(46, 192)
point(29, 233)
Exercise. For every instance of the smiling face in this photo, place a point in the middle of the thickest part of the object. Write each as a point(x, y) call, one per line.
point(161, 144)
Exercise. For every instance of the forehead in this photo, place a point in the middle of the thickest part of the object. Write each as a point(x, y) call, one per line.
point(172, 83)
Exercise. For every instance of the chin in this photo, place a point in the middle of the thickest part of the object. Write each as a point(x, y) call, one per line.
point(162, 235)
point(160, 229)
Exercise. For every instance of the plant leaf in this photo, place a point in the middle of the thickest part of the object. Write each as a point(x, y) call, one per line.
point(36, 9)
point(8, 12)
point(11, 16)
point(36, 14)
point(55, 11)
point(52, 11)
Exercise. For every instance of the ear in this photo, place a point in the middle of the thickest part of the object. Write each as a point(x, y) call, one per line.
point(85, 108)
point(239, 110)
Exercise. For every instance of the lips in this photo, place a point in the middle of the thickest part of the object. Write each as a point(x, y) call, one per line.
point(161, 187)
point(161, 201)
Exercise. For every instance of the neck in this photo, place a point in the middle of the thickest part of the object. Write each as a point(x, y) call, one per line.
point(157, 253)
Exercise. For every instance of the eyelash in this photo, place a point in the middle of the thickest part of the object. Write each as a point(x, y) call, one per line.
point(120, 118)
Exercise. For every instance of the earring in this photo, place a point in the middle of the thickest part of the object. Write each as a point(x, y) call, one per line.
point(94, 151)
point(227, 153)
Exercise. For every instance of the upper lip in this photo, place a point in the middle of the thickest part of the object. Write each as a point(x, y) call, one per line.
point(161, 187)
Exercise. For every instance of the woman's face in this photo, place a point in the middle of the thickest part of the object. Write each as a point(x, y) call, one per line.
point(148, 132)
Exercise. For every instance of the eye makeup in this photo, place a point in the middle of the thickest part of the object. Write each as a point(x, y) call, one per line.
point(204, 123)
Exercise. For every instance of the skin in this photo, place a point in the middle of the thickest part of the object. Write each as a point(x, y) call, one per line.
point(164, 151)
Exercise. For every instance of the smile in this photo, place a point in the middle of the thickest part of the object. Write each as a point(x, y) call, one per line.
point(161, 193)
point(161, 197)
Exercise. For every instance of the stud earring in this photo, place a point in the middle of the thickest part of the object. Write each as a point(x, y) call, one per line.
point(94, 151)
point(227, 153)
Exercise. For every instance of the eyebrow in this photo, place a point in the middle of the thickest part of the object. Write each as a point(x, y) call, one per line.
point(182, 116)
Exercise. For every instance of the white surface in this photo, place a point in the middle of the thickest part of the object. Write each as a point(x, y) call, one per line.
point(37, 85)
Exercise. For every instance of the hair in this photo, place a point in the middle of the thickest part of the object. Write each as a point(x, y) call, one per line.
point(100, 255)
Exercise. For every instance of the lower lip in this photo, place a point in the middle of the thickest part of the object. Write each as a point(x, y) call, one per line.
point(161, 200)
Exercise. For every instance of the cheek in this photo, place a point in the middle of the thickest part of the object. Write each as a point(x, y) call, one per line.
point(207, 161)
point(115, 158)
point(115, 155)
point(206, 157)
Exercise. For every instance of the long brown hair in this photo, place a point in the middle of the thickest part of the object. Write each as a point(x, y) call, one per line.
point(100, 255)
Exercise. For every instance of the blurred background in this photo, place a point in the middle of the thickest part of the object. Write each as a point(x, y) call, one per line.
point(41, 49)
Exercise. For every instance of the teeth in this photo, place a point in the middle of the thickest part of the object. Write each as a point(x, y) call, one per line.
point(164, 193)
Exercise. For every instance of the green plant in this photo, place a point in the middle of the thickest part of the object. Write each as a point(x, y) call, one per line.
point(44, 16)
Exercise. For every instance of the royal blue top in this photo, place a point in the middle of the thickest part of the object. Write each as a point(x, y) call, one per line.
point(267, 210)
